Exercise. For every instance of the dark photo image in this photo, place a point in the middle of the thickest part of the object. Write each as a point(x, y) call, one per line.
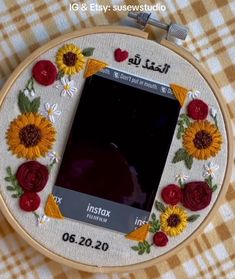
point(118, 143)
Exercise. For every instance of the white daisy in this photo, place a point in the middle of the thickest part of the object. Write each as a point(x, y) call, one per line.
point(213, 112)
point(42, 219)
point(194, 94)
point(181, 178)
point(54, 157)
point(68, 87)
point(210, 169)
point(51, 111)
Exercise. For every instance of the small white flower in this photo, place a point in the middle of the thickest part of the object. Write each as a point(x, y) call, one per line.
point(181, 178)
point(194, 94)
point(213, 112)
point(42, 219)
point(29, 93)
point(32, 93)
point(54, 157)
point(68, 87)
point(26, 92)
point(210, 169)
point(51, 111)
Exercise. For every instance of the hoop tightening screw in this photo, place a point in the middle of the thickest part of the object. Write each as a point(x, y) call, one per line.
point(173, 30)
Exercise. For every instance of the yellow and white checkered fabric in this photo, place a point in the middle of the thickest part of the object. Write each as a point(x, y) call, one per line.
point(27, 24)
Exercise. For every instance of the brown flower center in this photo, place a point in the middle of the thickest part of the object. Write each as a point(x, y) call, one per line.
point(30, 135)
point(173, 220)
point(202, 139)
point(70, 58)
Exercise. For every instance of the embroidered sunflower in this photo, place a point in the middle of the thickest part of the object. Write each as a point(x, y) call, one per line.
point(70, 59)
point(202, 140)
point(173, 220)
point(30, 136)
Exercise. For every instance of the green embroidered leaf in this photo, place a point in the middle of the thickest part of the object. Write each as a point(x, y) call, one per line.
point(188, 161)
point(141, 252)
point(193, 218)
point(135, 248)
point(160, 206)
point(156, 226)
point(88, 51)
point(10, 188)
point(14, 196)
point(153, 216)
point(24, 103)
point(152, 230)
point(148, 250)
point(214, 188)
point(35, 104)
point(9, 172)
point(8, 179)
point(179, 155)
point(182, 155)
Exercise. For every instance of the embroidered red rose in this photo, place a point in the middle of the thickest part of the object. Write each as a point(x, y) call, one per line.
point(32, 176)
point(29, 201)
point(44, 72)
point(160, 239)
point(120, 55)
point(171, 194)
point(196, 195)
point(197, 109)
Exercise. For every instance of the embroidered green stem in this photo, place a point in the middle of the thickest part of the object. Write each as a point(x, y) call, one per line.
point(30, 85)
point(154, 224)
point(50, 166)
point(60, 74)
point(142, 247)
point(215, 120)
point(36, 215)
point(209, 181)
point(14, 187)
point(183, 123)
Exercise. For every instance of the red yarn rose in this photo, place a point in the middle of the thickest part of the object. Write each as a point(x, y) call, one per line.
point(160, 239)
point(197, 110)
point(44, 72)
point(32, 176)
point(196, 195)
point(29, 201)
point(171, 194)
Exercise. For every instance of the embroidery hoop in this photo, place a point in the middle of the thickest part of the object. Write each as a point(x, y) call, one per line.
point(171, 47)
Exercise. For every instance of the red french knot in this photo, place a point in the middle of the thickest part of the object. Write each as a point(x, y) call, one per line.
point(160, 239)
point(171, 194)
point(29, 201)
point(197, 109)
point(120, 55)
point(44, 72)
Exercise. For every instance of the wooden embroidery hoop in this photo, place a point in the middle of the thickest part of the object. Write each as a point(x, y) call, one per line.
point(184, 54)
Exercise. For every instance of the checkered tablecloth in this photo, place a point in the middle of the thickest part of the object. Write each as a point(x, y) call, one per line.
point(27, 24)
